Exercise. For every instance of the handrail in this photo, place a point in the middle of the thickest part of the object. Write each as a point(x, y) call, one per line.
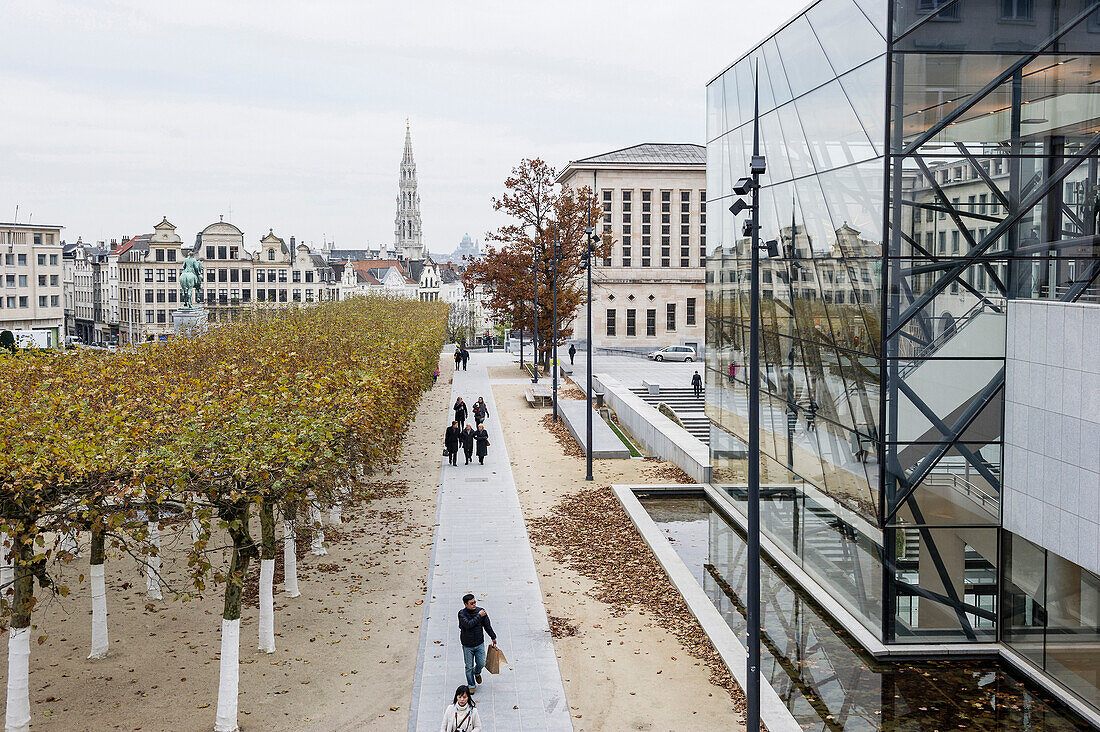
point(934, 345)
point(988, 502)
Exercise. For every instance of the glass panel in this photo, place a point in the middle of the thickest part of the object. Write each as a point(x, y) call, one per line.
point(803, 60)
point(866, 90)
point(876, 11)
point(946, 584)
point(781, 90)
point(775, 149)
point(847, 36)
point(834, 132)
point(1024, 614)
point(798, 152)
point(1073, 627)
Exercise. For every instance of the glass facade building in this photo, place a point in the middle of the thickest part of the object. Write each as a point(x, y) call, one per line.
point(928, 163)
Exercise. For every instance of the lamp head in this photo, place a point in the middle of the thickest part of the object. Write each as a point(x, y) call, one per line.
point(738, 206)
point(743, 186)
point(757, 166)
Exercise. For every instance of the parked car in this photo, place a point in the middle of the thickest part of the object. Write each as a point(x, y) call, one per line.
point(673, 353)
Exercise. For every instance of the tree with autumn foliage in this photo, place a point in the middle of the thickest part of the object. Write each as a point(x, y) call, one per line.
point(544, 215)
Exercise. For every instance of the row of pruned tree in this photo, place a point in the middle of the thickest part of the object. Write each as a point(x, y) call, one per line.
point(284, 414)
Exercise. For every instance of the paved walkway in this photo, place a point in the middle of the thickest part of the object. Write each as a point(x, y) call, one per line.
point(480, 545)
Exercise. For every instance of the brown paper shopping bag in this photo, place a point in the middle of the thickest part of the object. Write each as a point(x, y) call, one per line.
point(494, 659)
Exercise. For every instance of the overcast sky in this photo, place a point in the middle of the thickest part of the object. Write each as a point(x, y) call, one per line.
point(291, 115)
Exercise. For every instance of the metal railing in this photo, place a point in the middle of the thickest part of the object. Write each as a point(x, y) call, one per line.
point(961, 322)
point(989, 503)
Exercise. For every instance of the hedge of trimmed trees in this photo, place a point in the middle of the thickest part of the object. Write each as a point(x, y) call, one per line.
point(281, 415)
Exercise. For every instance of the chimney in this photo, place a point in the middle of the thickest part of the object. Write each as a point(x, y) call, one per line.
point(292, 242)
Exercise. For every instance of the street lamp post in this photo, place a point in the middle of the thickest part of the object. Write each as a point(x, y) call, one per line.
point(586, 263)
point(554, 344)
point(751, 186)
point(535, 336)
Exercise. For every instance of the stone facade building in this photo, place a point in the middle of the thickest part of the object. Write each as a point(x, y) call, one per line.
point(31, 273)
point(650, 292)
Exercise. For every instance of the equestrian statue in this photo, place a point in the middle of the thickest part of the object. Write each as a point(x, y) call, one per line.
point(190, 279)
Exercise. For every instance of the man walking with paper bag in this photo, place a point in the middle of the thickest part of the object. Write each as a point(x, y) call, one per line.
point(473, 624)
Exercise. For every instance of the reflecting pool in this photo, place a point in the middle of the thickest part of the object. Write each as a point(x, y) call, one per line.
point(826, 679)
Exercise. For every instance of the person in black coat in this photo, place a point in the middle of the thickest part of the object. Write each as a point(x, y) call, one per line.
point(451, 439)
point(465, 357)
point(482, 438)
point(697, 384)
point(481, 410)
point(467, 438)
point(460, 412)
point(572, 352)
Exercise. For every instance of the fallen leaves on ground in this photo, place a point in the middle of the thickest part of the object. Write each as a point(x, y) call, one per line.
point(561, 433)
point(589, 532)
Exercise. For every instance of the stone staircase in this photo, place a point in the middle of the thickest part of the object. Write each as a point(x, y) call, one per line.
point(688, 409)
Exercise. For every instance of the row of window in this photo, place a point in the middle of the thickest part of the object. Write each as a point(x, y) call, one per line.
point(12, 259)
point(23, 301)
point(20, 237)
point(650, 319)
point(684, 230)
point(43, 280)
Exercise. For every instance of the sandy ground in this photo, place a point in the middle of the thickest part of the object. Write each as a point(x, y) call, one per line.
point(620, 672)
point(346, 649)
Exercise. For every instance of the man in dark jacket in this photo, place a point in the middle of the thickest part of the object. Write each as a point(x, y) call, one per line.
point(467, 438)
point(460, 412)
point(465, 357)
point(481, 410)
point(450, 441)
point(482, 438)
point(697, 384)
point(473, 624)
point(572, 352)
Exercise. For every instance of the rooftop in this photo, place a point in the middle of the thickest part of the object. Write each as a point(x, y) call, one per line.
point(650, 153)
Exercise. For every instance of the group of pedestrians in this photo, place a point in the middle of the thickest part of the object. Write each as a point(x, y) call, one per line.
point(462, 357)
point(473, 621)
point(469, 438)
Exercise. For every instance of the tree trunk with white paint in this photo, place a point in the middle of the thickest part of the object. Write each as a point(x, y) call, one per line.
point(17, 717)
point(267, 578)
point(317, 545)
point(7, 567)
point(290, 553)
point(152, 562)
point(244, 549)
point(100, 639)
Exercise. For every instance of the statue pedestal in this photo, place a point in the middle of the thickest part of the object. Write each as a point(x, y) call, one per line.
point(189, 322)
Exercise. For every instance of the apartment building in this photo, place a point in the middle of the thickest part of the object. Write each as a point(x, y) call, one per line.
point(650, 291)
point(31, 272)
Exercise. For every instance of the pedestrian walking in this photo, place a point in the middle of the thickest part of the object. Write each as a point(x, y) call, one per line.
point(811, 416)
point(481, 410)
point(435, 376)
point(732, 371)
point(697, 384)
point(461, 715)
point(482, 438)
point(572, 352)
point(461, 412)
point(473, 624)
point(465, 357)
point(467, 438)
point(450, 442)
point(458, 357)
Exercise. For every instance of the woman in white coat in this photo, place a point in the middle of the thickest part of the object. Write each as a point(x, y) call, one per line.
point(461, 715)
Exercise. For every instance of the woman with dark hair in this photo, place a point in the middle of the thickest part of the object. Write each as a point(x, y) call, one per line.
point(461, 715)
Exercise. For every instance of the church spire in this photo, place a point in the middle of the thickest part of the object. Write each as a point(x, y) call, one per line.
point(407, 235)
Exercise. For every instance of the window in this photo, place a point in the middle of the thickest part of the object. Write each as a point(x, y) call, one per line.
point(159, 255)
point(666, 251)
point(160, 296)
point(10, 279)
point(22, 280)
point(297, 276)
point(954, 242)
point(162, 316)
point(259, 275)
point(41, 257)
point(234, 275)
point(610, 322)
point(42, 301)
point(223, 275)
point(670, 316)
point(309, 294)
point(631, 327)
point(148, 296)
point(1016, 10)
point(309, 276)
point(233, 252)
point(11, 301)
point(210, 252)
point(685, 251)
point(24, 301)
point(646, 250)
point(148, 275)
point(222, 253)
point(38, 242)
point(22, 260)
point(282, 275)
point(42, 280)
point(160, 275)
point(981, 202)
point(282, 295)
point(151, 315)
point(296, 294)
point(246, 275)
point(626, 250)
point(54, 280)
point(172, 256)
point(271, 255)
point(271, 275)
point(651, 322)
point(690, 314)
